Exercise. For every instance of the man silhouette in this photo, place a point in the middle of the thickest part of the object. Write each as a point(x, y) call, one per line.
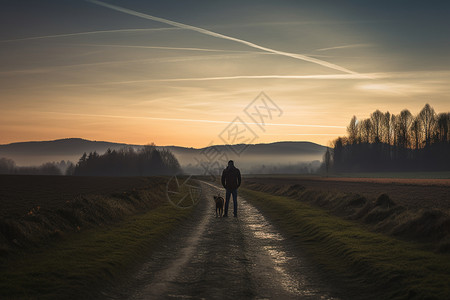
point(231, 180)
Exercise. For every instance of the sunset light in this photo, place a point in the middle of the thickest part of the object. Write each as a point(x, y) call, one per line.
point(199, 149)
point(141, 71)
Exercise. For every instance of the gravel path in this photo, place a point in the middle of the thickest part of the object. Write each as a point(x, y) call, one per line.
point(225, 258)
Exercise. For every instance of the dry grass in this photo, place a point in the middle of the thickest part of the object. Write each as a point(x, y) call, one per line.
point(429, 226)
point(64, 237)
point(404, 181)
point(80, 264)
point(369, 264)
point(40, 213)
point(19, 194)
point(409, 193)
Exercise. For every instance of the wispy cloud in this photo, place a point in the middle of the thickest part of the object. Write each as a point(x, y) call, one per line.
point(88, 33)
point(173, 48)
point(316, 77)
point(225, 37)
point(423, 74)
point(25, 72)
point(240, 54)
point(327, 134)
point(191, 120)
point(293, 23)
point(327, 76)
point(346, 47)
point(408, 83)
point(404, 89)
point(149, 60)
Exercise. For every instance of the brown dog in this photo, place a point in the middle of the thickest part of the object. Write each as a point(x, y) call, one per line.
point(219, 205)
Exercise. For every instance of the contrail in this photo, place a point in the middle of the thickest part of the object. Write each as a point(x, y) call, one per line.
point(345, 46)
point(315, 77)
point(173, 48)
point(305, 133)
point(87, 33)
point(225, 37)
point(148, 60)
point(194, 120)
point(290, 23)
point(327, 76)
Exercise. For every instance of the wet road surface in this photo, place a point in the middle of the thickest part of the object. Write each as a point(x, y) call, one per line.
point(225, 258)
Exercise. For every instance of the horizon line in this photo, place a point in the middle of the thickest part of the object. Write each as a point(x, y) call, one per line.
point(141, 145)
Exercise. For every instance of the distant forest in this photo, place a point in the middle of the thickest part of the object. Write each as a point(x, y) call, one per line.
point(389, 142)
point(127, 162)
point(8, 166)
point(124, 162)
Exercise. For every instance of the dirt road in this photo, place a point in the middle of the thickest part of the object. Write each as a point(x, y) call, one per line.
point(225, 258)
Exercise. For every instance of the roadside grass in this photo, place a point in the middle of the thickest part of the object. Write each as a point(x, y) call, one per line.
point(406, 175)
point(183, 195)
point(86, 203)
point(396, 175)
point(421, 214)
point(81, 263)
point(365, 260)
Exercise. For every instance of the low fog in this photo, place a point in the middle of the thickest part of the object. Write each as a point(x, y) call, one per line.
point(274, 158)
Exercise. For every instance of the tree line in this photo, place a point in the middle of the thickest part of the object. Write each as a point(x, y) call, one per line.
point(8, 166)
point(390, 142)
point(127, 161)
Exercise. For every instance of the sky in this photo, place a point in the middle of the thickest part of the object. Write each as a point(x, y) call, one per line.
point(195, 73)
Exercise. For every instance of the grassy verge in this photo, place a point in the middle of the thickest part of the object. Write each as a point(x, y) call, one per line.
point(407, 175)
point(388, 267)
point(77, 266)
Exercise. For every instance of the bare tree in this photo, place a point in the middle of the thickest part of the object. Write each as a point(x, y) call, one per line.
point(443, 127)
point(394, 129)
point(416, 133)
point(377, 125)
point(352, 130)
point(427, 117)
point(395, 142)
point(404, 122)
point(366, 130)
point(387, 124)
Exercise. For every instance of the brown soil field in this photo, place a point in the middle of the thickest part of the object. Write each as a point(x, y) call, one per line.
point(19, 194)
point(410, 193)
point(403, 181)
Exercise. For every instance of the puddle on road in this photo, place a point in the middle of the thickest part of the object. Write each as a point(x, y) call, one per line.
point(272, 245)
point(280, 257)
point(260, 231)
point(265, 235)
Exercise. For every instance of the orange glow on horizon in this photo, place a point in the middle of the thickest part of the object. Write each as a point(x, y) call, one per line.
point(137, 78)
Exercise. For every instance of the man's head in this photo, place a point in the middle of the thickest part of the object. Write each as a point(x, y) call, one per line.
point(231, 163)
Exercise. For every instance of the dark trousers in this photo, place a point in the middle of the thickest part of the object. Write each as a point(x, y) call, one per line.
point(227, 201)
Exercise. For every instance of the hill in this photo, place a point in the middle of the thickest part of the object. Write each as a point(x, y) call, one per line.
point(255, 158)
point(38, 152)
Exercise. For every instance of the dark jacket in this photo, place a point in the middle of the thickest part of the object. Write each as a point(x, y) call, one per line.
point(231, 178)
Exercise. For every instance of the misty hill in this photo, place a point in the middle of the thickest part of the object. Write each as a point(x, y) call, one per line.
point(36, 153)
point(251, 157)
